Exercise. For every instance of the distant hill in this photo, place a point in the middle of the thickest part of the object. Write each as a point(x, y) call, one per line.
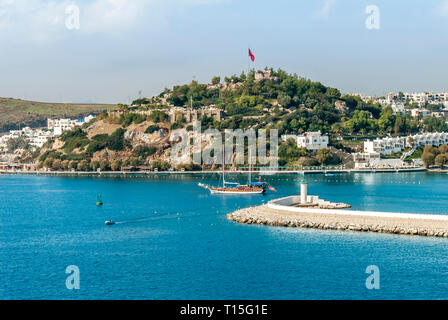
point(15, 113)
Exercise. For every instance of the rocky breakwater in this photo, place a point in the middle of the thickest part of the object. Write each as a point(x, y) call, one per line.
point(267, 216)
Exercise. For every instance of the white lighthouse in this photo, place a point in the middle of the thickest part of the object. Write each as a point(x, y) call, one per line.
point(303, 192)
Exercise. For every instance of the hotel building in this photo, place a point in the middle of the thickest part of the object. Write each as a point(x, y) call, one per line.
point(389, 145)
point(310, 140)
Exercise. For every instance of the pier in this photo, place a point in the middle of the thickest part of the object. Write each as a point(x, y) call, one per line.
point(304, 211)
point(382, 222)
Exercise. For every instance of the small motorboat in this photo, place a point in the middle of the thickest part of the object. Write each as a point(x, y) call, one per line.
point(109, 223)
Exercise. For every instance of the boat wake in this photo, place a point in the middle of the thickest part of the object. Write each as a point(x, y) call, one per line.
point(185, 215)
point(144, 219)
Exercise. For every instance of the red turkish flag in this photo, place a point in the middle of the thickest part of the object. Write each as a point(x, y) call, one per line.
point(252, 57)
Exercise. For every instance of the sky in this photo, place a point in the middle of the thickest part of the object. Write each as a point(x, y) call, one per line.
point(121, 47)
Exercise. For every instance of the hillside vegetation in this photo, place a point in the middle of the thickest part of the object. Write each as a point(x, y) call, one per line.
point(291, 104)
point(274, 100)
point(15, 113)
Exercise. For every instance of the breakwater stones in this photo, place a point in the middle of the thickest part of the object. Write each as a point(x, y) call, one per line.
point(265, 216)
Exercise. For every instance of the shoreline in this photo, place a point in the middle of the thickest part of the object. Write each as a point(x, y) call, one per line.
point(345, 220)
point(262, 173)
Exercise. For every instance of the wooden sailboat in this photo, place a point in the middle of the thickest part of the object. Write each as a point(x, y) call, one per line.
point(250, 188)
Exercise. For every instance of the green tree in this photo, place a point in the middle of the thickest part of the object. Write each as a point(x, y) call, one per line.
point(116, 165)
point(443, 148)
point(14, 144)
point(294, 125)
point(441, 160)
point(94, 165)
point(216, 80)
point(386, 121)
point(158, 116)
point(57, 165)
point(105, 165)
point(65, 164)
point(83, 165)
point(360, 122)
point(431, 149)
point(151, 129)
point(333, 93)
point(48, 163)
point(284, 100)
point(325, 156)
point(116, 140)
point(160, 165)
point(428, 158)
point(73, 164)
point(289, 151)
point(144, 151)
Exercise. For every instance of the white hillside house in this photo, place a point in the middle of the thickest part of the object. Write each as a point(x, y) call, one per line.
point(420, 112)
point(58, 126)
point(387, 146)
point(310, 140)
point(35, 137)
point(398, 108)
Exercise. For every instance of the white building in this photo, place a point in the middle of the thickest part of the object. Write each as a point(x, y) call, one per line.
point(88, 118)
point(374, 161)
point(58, 126)
point(387, 146)
point(427, 139)
point(420, 112)
point(398, 108)
point(421, 98)
point(364, 160)
point(39, 137)
point(35, 137)
point(374, 99)
point(310, 140)
point(3, 140)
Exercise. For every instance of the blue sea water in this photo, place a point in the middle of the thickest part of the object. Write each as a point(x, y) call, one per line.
point(172, 240)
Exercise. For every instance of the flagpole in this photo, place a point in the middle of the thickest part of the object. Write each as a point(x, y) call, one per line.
point(248, 62)
point(247, 77)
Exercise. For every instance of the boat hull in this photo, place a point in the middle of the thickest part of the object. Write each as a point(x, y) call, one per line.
point(230, 191)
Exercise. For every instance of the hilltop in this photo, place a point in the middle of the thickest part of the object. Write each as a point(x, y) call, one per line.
point(16, 113)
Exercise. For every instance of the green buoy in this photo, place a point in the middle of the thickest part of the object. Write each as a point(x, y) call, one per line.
point(99, 201)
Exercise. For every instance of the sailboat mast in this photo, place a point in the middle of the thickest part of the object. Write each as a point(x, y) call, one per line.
point(250, 167)
point(223, 178)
